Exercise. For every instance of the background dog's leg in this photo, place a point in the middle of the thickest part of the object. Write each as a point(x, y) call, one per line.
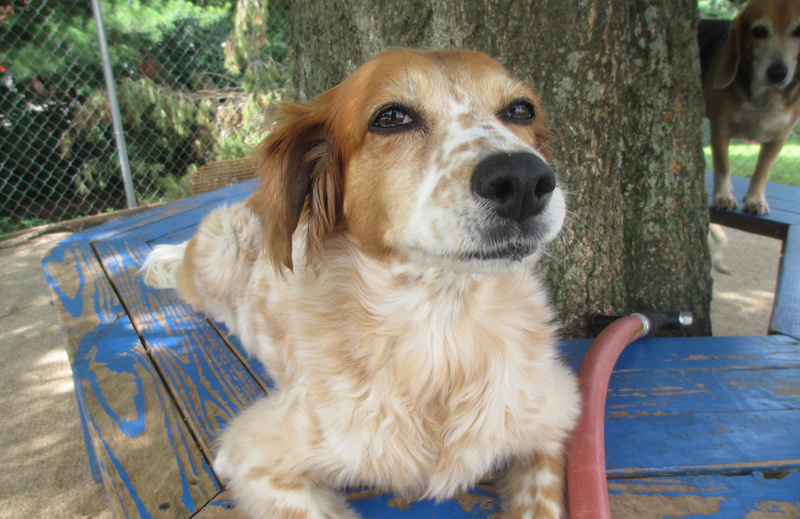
point(269, 456)
point(717, 241)
point(755, 201)
point(535, 488)
point(723, 189)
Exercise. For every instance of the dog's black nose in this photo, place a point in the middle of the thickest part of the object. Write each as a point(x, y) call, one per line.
point(517, 185)
point(777, 72)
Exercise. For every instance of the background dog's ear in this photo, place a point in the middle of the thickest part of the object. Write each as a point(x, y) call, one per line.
point(731, 51)
point(297, 160)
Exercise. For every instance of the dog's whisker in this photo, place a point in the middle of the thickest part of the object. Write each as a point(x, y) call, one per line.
point(583, 224)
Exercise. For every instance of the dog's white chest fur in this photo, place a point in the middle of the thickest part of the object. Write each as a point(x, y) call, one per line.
point(760, 119)
point(421, 381)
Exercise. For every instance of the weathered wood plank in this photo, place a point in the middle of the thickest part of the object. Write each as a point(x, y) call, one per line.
point(774, 191)
point(154, 228)
point(749, 223)
point(129, 412)
point(131, 223)
point(678, 405)
point(784, 204)
point(481, 501)
point(179, 236)
point(255, 367)
point(722, 497)
point(750, 496)
point(221, 507)
point(786, 310)
point(696, 353)
point(696, 358)
point(478, 502)
point(94, 463)
point(713, 391)
point(695, 443)
point(784, 198)
point(208, 382)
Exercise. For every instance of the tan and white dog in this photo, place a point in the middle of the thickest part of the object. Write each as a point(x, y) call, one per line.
point(751, 90)
point(381, 272)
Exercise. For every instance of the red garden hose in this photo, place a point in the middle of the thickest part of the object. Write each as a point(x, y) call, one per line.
point(586, 463)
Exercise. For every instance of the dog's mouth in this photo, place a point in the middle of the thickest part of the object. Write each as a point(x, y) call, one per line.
point(508, 252)
point(503, 239)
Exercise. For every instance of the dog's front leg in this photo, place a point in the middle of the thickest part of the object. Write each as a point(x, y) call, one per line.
point(722, 197)
point(535, 487)
point(272, 460)
point(755, 200)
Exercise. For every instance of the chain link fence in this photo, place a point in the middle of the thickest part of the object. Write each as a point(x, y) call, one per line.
point(193, 79)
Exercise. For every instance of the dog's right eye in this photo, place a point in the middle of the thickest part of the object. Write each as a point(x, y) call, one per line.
point(520, 111)
point(393, 118)
point(759, 32)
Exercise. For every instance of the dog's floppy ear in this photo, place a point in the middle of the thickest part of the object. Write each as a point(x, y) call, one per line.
point(731, 52)
point(296, 160)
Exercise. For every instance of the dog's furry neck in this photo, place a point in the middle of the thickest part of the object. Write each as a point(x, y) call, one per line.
point(428, 315)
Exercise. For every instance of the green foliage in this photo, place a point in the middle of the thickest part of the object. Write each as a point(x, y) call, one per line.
point(194, 78)
point(57, 39)
point(9, 225)
point(192, 129)
point(725, 9)
point(252, 50)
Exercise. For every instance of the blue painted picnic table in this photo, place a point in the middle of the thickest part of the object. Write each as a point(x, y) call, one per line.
point(702, 426)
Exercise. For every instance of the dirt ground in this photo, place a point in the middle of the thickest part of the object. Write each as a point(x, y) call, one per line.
point(742, 303)
point(45, 469)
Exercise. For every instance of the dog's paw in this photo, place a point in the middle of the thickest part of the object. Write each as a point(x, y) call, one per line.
point(756, 205)
point(222, 466)
point(724, 202)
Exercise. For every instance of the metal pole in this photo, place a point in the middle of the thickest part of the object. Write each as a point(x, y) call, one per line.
point(119, 135)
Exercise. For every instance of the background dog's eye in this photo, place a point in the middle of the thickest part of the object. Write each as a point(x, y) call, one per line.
point(520, 112)
point(759, 32)
point(392, 117)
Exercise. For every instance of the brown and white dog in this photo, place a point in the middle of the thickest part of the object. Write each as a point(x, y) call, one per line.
point(381, 272)
point(751, 90)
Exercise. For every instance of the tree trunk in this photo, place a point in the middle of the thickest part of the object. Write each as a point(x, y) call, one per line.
point(620, 81)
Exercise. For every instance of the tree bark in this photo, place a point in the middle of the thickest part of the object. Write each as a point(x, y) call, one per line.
point(620, 80)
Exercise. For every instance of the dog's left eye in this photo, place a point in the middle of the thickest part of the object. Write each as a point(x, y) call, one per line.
point(759, 32)
point(521, 111)
point(391, 118)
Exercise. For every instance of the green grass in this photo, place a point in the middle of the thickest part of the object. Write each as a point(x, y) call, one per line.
point(9, 225)
point(743, 161)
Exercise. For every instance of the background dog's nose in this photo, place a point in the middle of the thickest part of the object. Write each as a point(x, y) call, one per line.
point(517, 185)
point(777, 72)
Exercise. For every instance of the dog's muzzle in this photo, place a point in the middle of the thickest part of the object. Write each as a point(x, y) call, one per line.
point(516, 186)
